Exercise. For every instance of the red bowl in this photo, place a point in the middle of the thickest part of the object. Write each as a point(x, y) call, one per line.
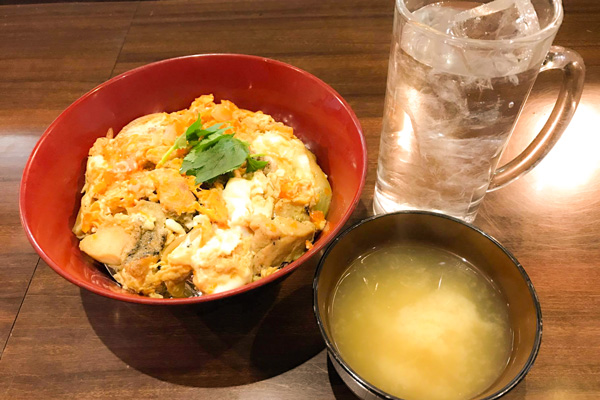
point(54, 174)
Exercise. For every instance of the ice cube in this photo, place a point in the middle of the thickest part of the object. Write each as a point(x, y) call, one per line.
point(437, 16)
point(528, 18)
point(497, 20)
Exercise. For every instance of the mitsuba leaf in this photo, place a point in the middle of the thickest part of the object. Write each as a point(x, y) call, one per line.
point(213, 152)
point(195, 131)
point(192, 132)
point(209, 141)
point(225, 155)
point(252, 164)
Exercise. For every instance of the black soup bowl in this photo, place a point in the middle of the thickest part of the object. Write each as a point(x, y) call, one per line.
point(449, 234)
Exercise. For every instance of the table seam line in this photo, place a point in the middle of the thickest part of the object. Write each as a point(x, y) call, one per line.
point(112, 71)
point(12, 327)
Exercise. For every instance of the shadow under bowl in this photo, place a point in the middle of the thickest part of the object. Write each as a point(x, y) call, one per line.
point(452, 235)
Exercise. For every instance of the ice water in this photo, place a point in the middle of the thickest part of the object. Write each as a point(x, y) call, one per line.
point(451, 108)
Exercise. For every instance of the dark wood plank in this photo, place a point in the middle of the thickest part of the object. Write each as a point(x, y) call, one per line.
point(18, 257)
point(71, 344)
point(313, 35)
point(49, 56)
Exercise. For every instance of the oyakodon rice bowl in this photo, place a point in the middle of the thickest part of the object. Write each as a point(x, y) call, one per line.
point(200, 201)
point(54, 175)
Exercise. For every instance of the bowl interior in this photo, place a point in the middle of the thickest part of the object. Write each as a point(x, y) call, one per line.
point(458, 238)
point(54, 174)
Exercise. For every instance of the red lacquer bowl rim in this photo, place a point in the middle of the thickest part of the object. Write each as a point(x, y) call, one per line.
point(320, 244)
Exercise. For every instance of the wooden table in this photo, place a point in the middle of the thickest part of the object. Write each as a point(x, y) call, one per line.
point(60, 342)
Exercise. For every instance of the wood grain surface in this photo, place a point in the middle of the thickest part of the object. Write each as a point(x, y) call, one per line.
point(60, 342)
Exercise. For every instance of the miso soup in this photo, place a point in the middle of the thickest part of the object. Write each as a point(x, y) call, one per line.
point(420, 323)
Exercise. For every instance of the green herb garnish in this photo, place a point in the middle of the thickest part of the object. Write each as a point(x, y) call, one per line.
point(212, 152)
point(180, 143)
point(224, 156)
point(253, 164)
point(195, 131)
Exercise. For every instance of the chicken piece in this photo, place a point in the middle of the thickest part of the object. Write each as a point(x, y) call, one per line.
point(134, 252)
point(224, 111)
point(322, 187)
point(212, 205)
point(138, 271)
point(148, 243)
point(148, 228)
point(173, 191)
point(279, 240)
point(78, 226)
point(174, 277)
point(108, 245)
point(128, 149)
point(138, 275)
point(285, 208)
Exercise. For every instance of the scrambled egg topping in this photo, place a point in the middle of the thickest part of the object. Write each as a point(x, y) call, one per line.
point(158, 231)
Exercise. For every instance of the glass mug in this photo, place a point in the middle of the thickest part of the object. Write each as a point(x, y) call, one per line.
point(459, 74)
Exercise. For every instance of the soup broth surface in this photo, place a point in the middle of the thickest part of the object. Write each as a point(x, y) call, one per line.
point(420, 323)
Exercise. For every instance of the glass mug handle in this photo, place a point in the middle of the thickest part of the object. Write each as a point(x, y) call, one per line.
point(573, 69)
